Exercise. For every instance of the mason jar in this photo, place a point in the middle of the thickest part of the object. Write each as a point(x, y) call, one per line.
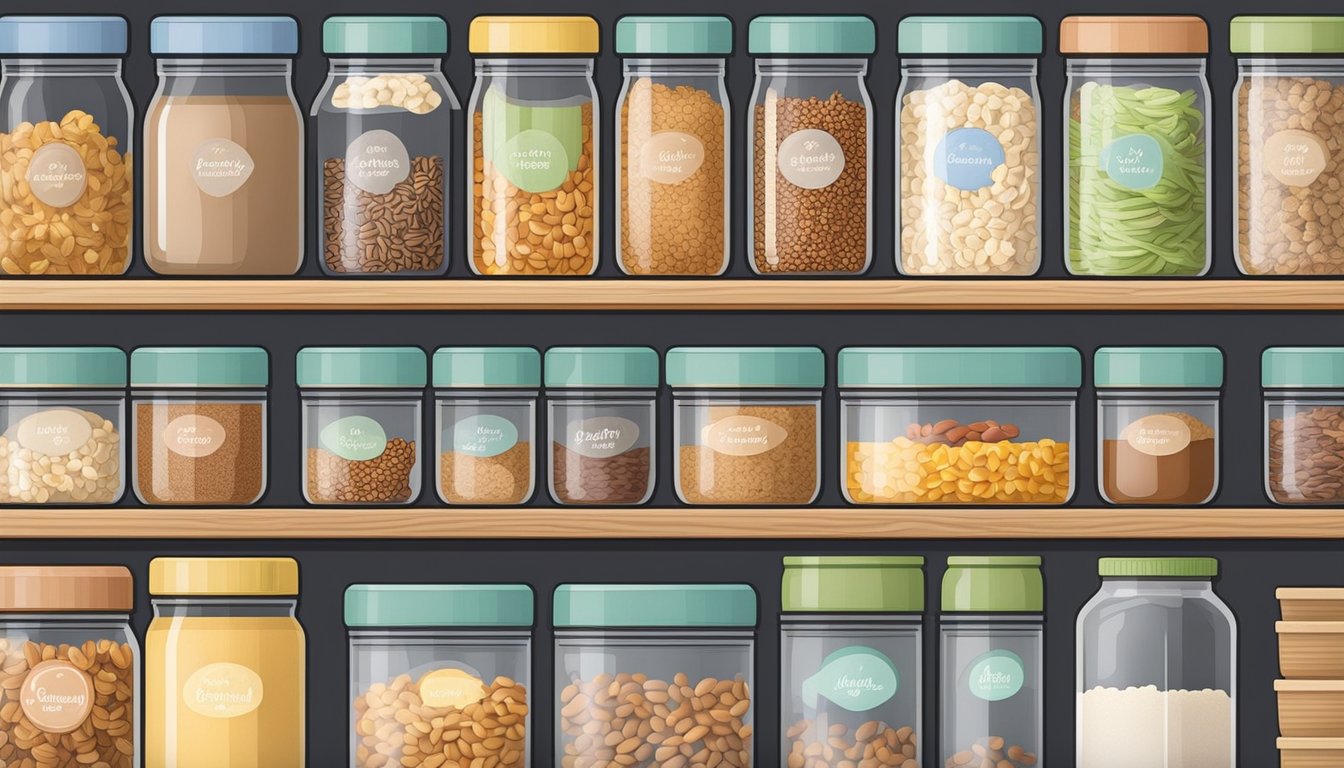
point(1304, 404)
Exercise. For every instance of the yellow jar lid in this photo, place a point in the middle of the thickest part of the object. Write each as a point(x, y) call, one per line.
point(534, 34)
point(222, 576)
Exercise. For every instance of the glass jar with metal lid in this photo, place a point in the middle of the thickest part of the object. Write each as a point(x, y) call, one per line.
point(1304, 410)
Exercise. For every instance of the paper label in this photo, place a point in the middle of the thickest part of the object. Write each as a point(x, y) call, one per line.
point(484, 435)
point(1295, 158)
point(1134, 161)
point(56, 175)
point(811, 159)
point(742, 435)
point(56, 696)
point(194, 435)
point(966, 158)
point(601, 437)
point(996, 676)
point(534, 161)
point(1158, 435)
point(856, 678)
point(671, 157)
point(451, 688)
point(377, 161)
point(220, 167)
point(354, 438)
point(223, 690)
point(54, 432)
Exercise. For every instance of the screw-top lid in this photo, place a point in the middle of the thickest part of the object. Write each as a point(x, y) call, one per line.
point(475, 367)
point(853, 584)
point(1180, 367)
point(358, 367)
point(961, 367)
point(969, 35)
point(200, 367)
point(62, 36)
point(1173, 567)
point(439, 605)
point(385, 35)
point(993, 585)
point(1302, 367)
point(1287, 34)
point(66, 589)
point(812, 35)
point(1133, 34)
point(674, 35)
point(635, 367)
point(224, 36)
point(655, 605)
point(492, 35)
point(747, 367)
point(224, 576)
point(62, 367)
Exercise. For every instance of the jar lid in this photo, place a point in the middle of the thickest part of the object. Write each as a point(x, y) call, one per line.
point(961, 367)
point(62, 367)
point(853, 584)
point(675, 35)
point(224, 36)
point(62, 36)
point(472, 367)
point(439, 605)
point(224, 576)
point(1183, 367)
point(534, 34)
point(746, 367)
point(1302, 367)
point(1133, 34)
point(655, 605)
point(385, 35)
point(605, 367)
point(1287, 34)
point(359, 367)
point(66, 588)
point(200, 367)
point(834, 35)
point(970, 35)
point(1176, 567)
point(993, 584)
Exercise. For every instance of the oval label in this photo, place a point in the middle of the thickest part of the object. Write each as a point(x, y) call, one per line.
point(1295, 158)
point(354, 438)
point(742, 435)
point(1158, 435)
point(601, 437)
point(671, 157)
point(220, 167)
point(451, 688)
point(996, 676)
point(194, 435)
point(534, 161)
point(484, 435)
point(857, 679)
point(56, 175)
point(223, 690)
point(54, 432)
point(1134, 161)
point(811, 159)
point(56, 696)
point(966, 158)
point(377, 161)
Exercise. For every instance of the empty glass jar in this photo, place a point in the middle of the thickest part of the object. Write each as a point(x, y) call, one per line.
point(1304, 409)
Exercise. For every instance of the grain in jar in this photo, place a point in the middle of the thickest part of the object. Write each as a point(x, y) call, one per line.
point(486, 409)
point(1304, 424)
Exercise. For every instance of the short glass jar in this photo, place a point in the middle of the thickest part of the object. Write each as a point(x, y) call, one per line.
point(747, 422)
point(601, 412)
point(659, 641)
point(486, 411)
point(362, 411)
point(424, 652)
point(71, 665)
point(1304, 403)
point(62, 417)
point(996, 424)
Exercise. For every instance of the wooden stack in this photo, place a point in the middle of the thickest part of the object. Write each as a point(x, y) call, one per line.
point(1311, 660)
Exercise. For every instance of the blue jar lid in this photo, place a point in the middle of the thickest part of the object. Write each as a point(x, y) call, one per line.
point(62, 36)
point(224, 36)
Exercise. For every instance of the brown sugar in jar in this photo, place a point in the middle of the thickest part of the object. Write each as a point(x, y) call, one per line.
point(1136, 470)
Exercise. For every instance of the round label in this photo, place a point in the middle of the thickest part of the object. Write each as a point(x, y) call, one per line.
point(671, 157)
point(996, 676)
point(194, 435)
point(484, 435)
point(1295, 158)
point(742, 435)
point(811, 159)
point(966, 158)
point(534, 161)
point(601, 437)
point(55, 432)
point(377, 161)
point(222, 690)
point(219, 167)
point(857, 679)
point(1134, 161)
point(354, 438)
point(56, 175)
point(451, 688)
point(1158, 435)
point(56, 696)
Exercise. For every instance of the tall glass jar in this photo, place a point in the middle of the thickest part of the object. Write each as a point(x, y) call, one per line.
point(810, 152)
point(1137, 147)
point(1157, 655)
point(969, 146)
point(66, 148)
point(224, 148)
point(1304, 411)
point(533, 132)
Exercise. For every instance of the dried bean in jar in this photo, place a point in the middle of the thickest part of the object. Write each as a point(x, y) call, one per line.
point(1306, 456)
point(400, 724)
point(61, 455)
point(371, 228)
point(873, 744)
point(577, 478)
point(994, 752)
point(386, 478)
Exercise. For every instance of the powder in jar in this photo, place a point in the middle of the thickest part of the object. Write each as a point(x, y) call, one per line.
point(491, 730)
point(1162, 458)
point(580, 479)
point(1306, 456)
point(1190, 729)
point(751, 455)
point(199, 452)
point(60, 455)
point(333, 479)
point(506, 478)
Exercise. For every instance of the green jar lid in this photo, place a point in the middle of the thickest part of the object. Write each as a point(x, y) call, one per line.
point(439, 605)
point(62, 367)
point(1302, 367)
point(373, 367)
point(674, 35)
point(1174, 367)
point(961, 367)
point(485, 367)
point(200, 367)
point(602, 367)
point(1175, 567)
point(853, 584)
point(811, 35)
point(746, 367)
point(655, 605)
point(385, 35)
point(970, 35)
point(1287, 34)
point(993, 585)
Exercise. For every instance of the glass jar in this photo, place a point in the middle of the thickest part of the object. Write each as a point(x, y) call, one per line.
point(1157, 655)
point(385, 133)
point(997, 424)
point(747, 422)
point(62, 415)
point(486, 405)
point(601, 404)
point(672, 127)
point(851, 642)
point(1304, 404)
point(1137, 143)
point(657, 641)
point(969, 146)
point(992, 662)
point(361, 423)
point(533, 130)
point(425, 652)
point(224, 148)
point(66, 151)
point(224, 664)
point(811, 145)
point(200, 424)
point(71, 666)
point(1157, 424)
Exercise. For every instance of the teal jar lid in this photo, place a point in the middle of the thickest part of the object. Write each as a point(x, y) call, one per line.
point(358, 367)
point(62, 367)
point(746, 367)
point(486, 367)
point(970, 35)
point(961, 367)
point(602, 367)
point(993, 584)
point(1302, 368)
point(1174, 367)
point(655, 605)
point(1158, 567)
point(385, 35)
point(1287, 34)
point(811, 35)
point(674, 35)
point(853, 585)
point(200, 367)
point(439, 605)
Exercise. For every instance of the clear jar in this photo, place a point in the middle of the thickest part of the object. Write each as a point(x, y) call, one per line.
point(1304, 403)
point(199, 417)
point(969, 146)
point(486, 406)
point(811, 145)
point(460, 652)
point(385, 136)
point(851, 644)
point(655, 641)
point(533, 131)
point(673, 130)
point(1002, 420)
point(1137, 146)
point(224, 148)
point(71, 665)
point(992, 662)
point(62, 417)
point(66, 150)
point(1157, 655)
point(361, 424)
point(747, 422)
